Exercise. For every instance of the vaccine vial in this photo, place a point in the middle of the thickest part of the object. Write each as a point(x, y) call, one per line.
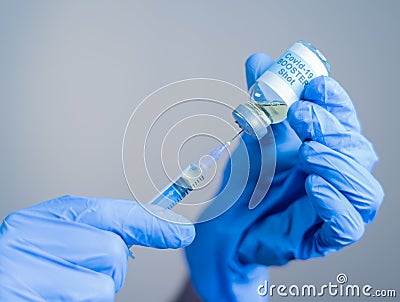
point(279, 87)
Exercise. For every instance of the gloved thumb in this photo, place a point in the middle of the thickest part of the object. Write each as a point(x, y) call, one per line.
point(136, 224)
point(255, 66)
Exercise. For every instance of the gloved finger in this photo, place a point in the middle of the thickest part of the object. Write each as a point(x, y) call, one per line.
point(354, 181)
point(278, 238)
point(313, 122)
point(255, 66)
point(342, 225)
point(328, 93)
point(80, 244)
point(128, 219)
point(69, 282)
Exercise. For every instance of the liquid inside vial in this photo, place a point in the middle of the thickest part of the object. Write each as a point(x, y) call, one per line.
point(276, 111)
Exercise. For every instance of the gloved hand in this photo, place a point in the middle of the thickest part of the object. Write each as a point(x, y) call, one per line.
point(75, 248)
point(320, 199)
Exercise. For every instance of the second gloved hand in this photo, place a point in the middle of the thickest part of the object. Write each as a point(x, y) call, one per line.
point(337, 195)
point(75, 248)
point(321, 197)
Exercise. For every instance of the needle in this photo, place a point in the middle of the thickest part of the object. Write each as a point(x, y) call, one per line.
point(233, 138)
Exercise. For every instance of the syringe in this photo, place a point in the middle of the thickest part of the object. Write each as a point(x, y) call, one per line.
point(190, 178)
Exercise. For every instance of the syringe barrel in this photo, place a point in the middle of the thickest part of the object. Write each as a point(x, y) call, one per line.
point(171, 195)
point(190, 178)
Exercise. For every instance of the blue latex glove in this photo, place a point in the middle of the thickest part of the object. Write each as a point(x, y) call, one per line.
point(321, 197)
point(75, 248)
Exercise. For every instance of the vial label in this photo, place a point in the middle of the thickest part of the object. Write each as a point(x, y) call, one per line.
point(294, 71)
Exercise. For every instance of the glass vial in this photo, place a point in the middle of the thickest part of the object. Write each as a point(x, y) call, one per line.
point(279, 87)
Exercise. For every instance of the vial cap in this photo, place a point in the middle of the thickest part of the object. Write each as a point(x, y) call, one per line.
point(250, 121)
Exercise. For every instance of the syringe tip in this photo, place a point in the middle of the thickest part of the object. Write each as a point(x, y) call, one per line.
point(217, 153)
point(207, 161)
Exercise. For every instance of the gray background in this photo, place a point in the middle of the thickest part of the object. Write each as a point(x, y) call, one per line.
point(71, 72)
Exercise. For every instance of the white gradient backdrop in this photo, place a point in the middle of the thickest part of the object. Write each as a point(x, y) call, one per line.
point(71, 72)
